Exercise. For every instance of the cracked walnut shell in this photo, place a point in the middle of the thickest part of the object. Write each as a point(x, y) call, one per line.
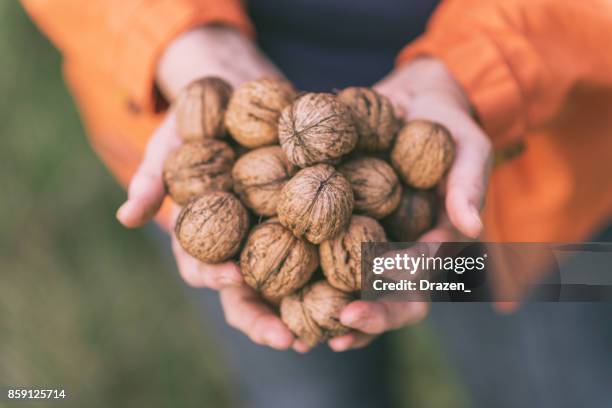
point(275, 262)
point(341, 255)
point(253, 111)
point(376, 187)
point(259, 176)
point(313, 313)
point(316, 203)
point(197, 167)
point(212, 227)
point(374, 118)
point(423, 152)
point(415, 215)
point(200, 109)
point(316, 128)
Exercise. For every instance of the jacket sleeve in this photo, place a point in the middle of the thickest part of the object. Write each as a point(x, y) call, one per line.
point(124, 38)
point(519, 60)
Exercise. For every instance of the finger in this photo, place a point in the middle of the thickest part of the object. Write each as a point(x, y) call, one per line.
point(506, 307)
point(466, 185)
point(443, 231)
point(175, 211)
point(146, 190)
point(245, 311)
point(351, 341)
point(300, 347)
point(201, 275)
point(378, 317)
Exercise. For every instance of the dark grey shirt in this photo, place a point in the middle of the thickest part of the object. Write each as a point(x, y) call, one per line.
point(325, 44)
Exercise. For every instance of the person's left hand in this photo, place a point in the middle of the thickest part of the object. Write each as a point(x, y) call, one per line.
point(424, 89)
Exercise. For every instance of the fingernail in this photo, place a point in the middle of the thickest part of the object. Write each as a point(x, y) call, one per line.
point(300, 347)
point(340, 345)
point(476, 222)
point(352, 319)
point(277, 338)
point(120, 214)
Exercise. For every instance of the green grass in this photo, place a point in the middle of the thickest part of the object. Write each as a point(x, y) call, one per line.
point(86, 304)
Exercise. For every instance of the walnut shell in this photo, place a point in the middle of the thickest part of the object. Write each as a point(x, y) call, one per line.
point(200, 109)
point(416, 214)
point(376, 188)
point(212, 227)
point(422, 153)
point(253, 111)
point(313, 313)
point(259, 176)
point(275, 262)
point(197, 167)
point(341, 255)
point(316, 203)
point(374, 118)
point(316, 128)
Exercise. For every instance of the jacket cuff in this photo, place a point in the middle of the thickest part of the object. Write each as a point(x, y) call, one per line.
point(479, 65)
point(153, 29)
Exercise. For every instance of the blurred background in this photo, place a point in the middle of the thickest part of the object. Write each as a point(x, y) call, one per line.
point(89, 306)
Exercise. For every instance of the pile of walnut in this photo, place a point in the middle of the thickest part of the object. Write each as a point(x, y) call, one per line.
point(317, 173)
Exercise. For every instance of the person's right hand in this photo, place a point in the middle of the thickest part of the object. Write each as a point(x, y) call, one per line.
point(205, 51)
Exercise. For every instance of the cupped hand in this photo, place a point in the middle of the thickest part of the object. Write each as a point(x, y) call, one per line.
point(205, 51)
point(424, 89)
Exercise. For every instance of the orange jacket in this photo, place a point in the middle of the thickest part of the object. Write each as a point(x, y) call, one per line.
point(535, 70)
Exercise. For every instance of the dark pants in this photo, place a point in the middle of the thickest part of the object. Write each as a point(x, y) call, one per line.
point(546, 355)
point(266, 378)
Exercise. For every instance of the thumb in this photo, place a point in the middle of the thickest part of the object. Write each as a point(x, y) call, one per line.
point(467, 184)
point(146, 191)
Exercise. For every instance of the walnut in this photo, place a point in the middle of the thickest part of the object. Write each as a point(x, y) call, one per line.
point(313, 313)
point(376, 188)
point(275, 262)
point(200, 109)
point(316, 128)
point(316, 203)
point(197, 167)
point(212, 227)
point(259, 176)
point(253, 111)
point(422, 153)
point(415, 215)
point(341, 255)
point(374, 118)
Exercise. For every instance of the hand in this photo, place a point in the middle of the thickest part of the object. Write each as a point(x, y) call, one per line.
point(424, 89)
point(205, 51)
